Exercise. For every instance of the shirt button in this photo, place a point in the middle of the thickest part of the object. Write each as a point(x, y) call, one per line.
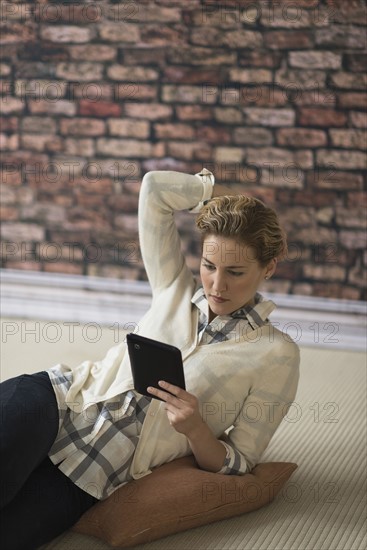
point(152, 414)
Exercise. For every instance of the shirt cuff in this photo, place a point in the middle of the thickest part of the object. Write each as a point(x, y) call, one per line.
point(234, 463)
point(208, 180)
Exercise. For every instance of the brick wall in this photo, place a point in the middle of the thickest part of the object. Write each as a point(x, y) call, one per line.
point(269, 95)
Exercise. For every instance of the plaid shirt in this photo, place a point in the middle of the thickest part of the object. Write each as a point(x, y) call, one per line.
point(95, 448)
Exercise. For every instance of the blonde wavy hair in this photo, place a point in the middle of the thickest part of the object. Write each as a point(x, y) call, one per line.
point(248, 221)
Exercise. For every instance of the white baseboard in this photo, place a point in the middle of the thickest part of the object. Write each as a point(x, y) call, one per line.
point(323, 322)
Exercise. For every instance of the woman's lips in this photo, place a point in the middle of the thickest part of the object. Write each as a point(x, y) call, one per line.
point(218, 300)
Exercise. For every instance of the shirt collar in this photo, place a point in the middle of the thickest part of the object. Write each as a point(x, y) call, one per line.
point(256, 315)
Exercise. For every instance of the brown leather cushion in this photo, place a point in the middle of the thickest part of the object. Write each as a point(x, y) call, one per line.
point(177, 496)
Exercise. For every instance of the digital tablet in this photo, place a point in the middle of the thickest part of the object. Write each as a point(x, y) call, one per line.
point(152, 361)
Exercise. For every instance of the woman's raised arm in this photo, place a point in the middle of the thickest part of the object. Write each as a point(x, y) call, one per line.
point(161, 194)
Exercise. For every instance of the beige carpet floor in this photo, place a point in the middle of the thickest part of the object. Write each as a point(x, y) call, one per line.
point(322, 507)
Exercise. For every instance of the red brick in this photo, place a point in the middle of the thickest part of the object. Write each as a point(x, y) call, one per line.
point(126, 148)
point(175, 131)
point(82, 127)
point(128, 127)
point(347, 11)
point(163, 35)
point(42, 142)
point(5, 69)
point(187, 94)
point(261, 96)
point(124, 203)
point(43, 50)
point(185, 75)
point(119, 32)
point(314, 197)
point(353, 239)
point(98, 108)
point(91, 52)
point(356, 81)
point(82, 199)
point(277, 157)
point(17, 32)
point(321, 117)
point(134, 92)
point(281, 174)
point(92, 91)
point(252, 136)
point(358, 198)
point(102, 186)
point(52, 107)
point(6, 87)
point(66, 33)
point(201, 56)
point(150, 111)
point(194, 112)
point(340, 36)
point(350, 160)
point(10, 105)
point(9, 142)
point(287, 40)
point(345, 220)
point(38, 125)
point(46, 90)
point(314, 98)
point(269, 117)
point(228, 115)
point(68, 13)
point(18, 231)
point(8, 213)
point(358, 119)
point(301, 137)
point(259, 58)
point(229, 155)
point(300, 80)
point(311, 59)
point(352, 100)
point(84, 71)
point(213, 135)
point(10, 174)
point(188, 151)
point(234, 38)
point(334, 179)
point(79, 147)
point(351, 139)
point(250, 76)
point(288, 16)
point(132, 74)
point(138, 56)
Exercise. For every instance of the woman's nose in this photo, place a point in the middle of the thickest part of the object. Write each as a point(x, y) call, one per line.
point(219, 283)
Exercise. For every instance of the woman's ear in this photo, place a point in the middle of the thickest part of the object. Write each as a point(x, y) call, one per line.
point(270, 268)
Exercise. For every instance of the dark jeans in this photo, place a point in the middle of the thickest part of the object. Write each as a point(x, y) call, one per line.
point(38, 502)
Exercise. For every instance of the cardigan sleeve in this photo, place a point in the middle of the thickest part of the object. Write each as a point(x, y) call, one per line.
point(262, 412)
point(161, 194)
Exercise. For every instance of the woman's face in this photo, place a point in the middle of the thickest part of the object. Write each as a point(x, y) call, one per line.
point(230, 274)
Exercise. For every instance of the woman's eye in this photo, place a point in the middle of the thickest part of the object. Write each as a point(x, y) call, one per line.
point(208, 266)
point(236, 273)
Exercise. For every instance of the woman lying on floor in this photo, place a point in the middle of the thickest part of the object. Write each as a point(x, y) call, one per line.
point(72, 436)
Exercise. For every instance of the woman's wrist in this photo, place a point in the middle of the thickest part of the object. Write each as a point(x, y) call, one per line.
point(208, 451)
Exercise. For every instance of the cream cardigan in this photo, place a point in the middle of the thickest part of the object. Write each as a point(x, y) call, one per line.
point(244, 385)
